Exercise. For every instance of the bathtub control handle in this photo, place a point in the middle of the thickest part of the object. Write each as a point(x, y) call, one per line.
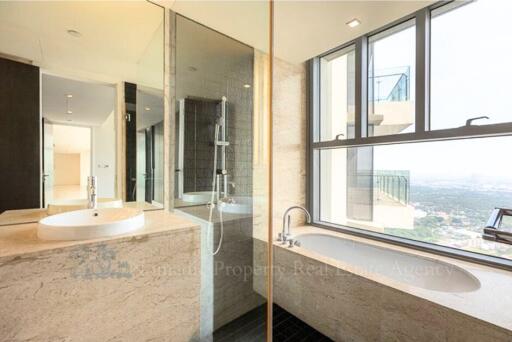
point(292, 243)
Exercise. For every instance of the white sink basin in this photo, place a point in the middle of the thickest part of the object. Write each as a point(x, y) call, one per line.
point(200, 197)
point(90, 224)
point(236, 205)
point(63, 206)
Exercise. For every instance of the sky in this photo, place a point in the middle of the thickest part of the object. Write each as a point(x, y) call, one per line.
point(471, 75)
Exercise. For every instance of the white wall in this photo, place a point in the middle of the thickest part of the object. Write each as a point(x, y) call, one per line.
point(104, 156)
point(67, 168)
point(85, 167)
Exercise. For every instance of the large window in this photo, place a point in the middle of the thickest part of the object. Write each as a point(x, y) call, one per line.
point(401, 190)
point(471, 72)
point(391, 55)
point(410, 167)
point(337, 96)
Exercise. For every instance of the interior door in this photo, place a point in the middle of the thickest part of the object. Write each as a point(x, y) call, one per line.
point(130, 95)
point(48, 164)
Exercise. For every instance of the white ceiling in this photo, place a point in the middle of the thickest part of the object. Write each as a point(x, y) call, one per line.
point(91, 103)
point(302, 29)
point(305, 29)
point(117, 37)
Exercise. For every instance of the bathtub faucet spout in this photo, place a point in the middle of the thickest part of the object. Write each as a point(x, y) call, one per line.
point(285, 234)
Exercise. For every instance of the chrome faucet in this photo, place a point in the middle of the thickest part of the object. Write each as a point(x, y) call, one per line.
point(285, 235)
point(231, 189)
point(92, 197)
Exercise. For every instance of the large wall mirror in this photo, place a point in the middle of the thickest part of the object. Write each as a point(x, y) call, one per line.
point(81, 94)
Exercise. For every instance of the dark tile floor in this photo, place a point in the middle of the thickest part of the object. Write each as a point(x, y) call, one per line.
point(251, 327)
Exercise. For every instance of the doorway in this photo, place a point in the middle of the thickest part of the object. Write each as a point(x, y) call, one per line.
point(67, 162)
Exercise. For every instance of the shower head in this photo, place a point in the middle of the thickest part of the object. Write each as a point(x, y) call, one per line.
point(220, 115)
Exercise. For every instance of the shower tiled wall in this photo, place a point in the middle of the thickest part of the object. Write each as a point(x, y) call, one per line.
point(198, 150)
point(209, 66)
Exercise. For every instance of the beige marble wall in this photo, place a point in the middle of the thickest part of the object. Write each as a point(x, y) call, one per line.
point(347, 307)
point(290, 140)
point(138, 289)
point(289, 153)
point(261, 144)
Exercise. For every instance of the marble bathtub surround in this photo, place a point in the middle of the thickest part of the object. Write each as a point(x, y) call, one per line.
point(141, 286)
point(347, 303)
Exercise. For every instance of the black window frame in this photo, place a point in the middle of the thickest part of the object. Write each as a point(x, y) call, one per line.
point(422, 131)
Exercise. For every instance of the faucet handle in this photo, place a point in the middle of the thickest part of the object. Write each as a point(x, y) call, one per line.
point(92, 180)
point(280, 237)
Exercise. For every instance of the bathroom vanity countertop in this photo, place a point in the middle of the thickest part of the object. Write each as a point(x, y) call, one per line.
point(490, 303)
point(21, 239)
point(10, 217)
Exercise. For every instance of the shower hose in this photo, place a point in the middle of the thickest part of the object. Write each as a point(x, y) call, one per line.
point(211, 225)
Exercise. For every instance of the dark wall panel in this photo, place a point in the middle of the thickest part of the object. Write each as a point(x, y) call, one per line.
point(130, 99)
point(19, 136)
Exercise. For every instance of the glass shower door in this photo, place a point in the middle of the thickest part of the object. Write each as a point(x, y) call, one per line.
point(221, 176)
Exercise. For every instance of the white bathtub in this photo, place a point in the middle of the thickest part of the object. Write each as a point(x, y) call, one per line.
point(402, 267)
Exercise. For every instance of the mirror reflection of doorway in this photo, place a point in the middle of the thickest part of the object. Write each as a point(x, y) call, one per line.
point(67, 162)
point(79, 138)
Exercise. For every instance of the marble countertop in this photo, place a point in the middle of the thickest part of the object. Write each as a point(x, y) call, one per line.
point(21, 239)
point(10, 217)
point(491, 303)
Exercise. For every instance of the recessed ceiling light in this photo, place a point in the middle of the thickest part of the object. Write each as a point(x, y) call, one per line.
point(70, 112)
point(69, 96)
point(353, 23)
point(247, 85)
point(74, 33)
point(147, 108)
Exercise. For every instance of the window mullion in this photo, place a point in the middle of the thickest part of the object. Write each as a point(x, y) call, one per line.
point(422, 98)
point(313, 169)
point(361, 93)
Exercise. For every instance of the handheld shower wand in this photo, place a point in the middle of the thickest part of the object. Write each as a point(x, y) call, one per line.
point(217, 173)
